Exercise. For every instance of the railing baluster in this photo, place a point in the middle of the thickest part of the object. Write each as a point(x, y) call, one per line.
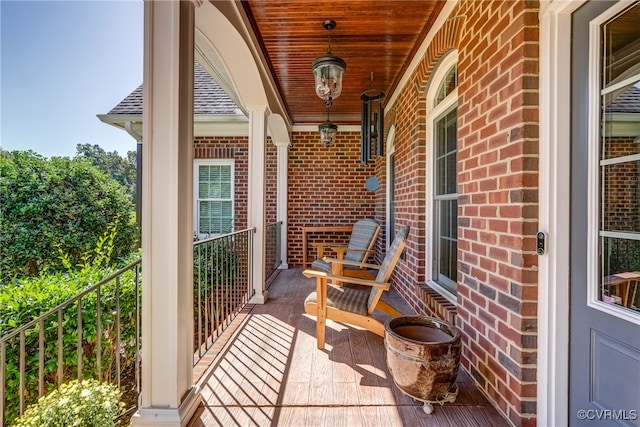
point(118, 332)
point(138, 361)
point(199, 301)
point(60, 347)
point(216, 298)
point(3, 364)
point(41, 358)
point(22, 369)
point(79, 349)
point(99, 333)
point(227, 281)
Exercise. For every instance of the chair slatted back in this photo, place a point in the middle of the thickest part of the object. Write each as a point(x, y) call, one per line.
point(363, 237)
point(388, 264)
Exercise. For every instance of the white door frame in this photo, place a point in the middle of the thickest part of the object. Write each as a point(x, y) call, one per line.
point(554, 178)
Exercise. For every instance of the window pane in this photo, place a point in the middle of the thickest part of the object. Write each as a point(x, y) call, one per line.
point(441, 137)
point(447, 246)
point(620, 46)
point(452, 173)
point(620, 283)
point(446, 154)
point(441, 176)
point(620, 197)
point(214, 182)
point(444, 257)
point(448, 84)
point(454, 220)
point(619, 170)
point(215, 217)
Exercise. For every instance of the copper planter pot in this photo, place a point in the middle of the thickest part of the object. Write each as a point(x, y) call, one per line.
point(423, 356)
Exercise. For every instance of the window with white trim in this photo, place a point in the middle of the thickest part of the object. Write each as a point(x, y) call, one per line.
point(445, 200)
point(214, 194)
point(442, 178)
point(616, 166)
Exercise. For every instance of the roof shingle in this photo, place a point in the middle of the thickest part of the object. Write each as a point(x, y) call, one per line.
point(209, 97)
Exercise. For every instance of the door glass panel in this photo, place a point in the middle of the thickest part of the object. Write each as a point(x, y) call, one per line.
point(619, 175)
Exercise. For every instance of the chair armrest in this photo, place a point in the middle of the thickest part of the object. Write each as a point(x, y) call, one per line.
point(341, 250)
point(353, 280)
point(346, 249)
point(354, 263)
point(320, 248)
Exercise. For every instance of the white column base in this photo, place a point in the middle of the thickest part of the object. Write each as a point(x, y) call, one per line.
point(259, 298)
point(174, 417)
point(283, 266)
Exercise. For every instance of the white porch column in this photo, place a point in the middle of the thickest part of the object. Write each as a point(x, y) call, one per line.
point(168, 396)
point(257, 203)
point(283, 196)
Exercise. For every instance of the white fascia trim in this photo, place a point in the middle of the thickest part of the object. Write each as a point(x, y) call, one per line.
point(554, 213)
point(220, 129)
point(119, 119)
point(220, 125)
point(415, 61)
point(203, 125)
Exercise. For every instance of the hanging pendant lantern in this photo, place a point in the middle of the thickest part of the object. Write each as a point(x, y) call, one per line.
point(328, 71)
point(328, 131)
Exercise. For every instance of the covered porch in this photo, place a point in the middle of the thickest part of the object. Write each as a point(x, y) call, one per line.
point(267, 370)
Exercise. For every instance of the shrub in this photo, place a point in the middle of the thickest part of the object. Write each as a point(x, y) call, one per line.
point(57, 204)
point(29, 298)
point(86, 403)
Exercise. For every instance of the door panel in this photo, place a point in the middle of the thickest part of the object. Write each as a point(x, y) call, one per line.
point(625, 360)
point(604, 367)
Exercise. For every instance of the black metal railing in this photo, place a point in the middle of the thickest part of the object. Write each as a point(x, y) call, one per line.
point(95, 334)
point(273, 252)
point(221, 285)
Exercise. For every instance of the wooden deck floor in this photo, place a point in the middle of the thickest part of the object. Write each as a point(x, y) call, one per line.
point(268, 372)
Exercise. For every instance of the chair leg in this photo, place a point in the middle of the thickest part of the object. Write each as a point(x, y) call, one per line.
point(388, 309)
point(321, 316)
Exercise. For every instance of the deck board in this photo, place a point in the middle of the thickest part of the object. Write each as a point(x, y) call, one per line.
point(271, 373)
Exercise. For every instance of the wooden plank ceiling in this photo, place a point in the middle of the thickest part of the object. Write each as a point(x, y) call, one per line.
point(377, 36)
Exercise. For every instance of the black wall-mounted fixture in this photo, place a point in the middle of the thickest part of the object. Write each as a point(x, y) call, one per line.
point(372, 127)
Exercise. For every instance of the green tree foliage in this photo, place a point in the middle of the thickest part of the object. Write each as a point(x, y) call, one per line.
point(61, 205)
point(122, 169)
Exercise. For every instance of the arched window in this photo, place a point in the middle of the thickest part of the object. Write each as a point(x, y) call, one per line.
point(442, 187)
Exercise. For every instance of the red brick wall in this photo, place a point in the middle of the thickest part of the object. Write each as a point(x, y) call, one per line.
point(326, 186)
point(498, 201)
point(497, 46)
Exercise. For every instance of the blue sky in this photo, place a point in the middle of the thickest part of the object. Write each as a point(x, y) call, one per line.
point(61, 64)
